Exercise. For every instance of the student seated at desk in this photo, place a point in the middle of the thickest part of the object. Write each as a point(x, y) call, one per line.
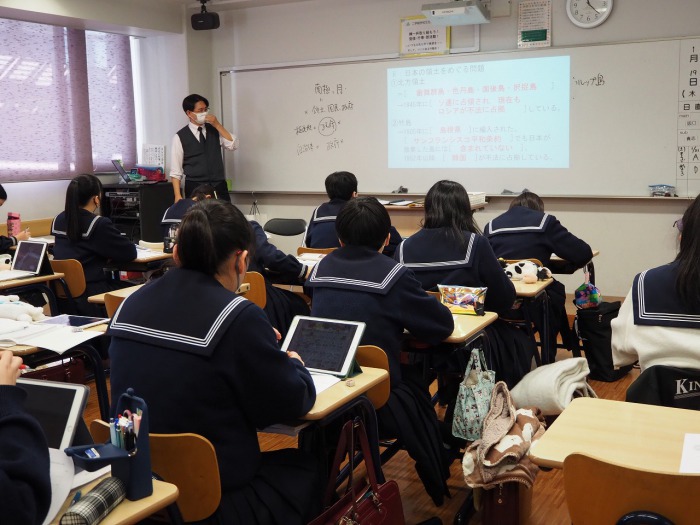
point(25, 486)
point(450, 249)
point(214, 368)
point(357, 283)
point(281, 305)
point(526, 231)
point(91, 239)
point(659, 322)
point(7, 242)
point(276, 266)
point(174, 214)
point(341, 186)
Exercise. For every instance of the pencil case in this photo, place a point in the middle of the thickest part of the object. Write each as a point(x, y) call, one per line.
point(463, 299)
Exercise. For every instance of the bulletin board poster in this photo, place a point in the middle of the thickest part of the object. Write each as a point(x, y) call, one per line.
point(535, 24)
point(419, 37)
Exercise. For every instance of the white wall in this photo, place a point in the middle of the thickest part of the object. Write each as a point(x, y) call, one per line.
point(630, 234)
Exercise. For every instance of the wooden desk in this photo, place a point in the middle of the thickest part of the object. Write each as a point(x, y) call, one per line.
point(120, 292)
point(129, 512)
point(38, 283)
point(524, 290)
point(469, 326)
point(564, 267)
point(339, 394)
point(630, 434)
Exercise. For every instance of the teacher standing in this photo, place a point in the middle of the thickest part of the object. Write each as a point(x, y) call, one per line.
point(196, 150)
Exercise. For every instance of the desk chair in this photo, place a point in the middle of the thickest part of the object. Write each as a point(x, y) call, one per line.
point(285, 227)
point(112, 303)
point(189, 462)
point(256, 292)
point(375, 357)
point(72, 286)
point(601, 492)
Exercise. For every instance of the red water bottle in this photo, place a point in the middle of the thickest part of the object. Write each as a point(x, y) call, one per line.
point(14, 226)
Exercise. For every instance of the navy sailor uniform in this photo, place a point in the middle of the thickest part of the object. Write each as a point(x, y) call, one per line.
point(656, 302)
point(320, 232)
point(276, 266)
point(174, 214)
point(214, 368)
point(435, 258)
point(359, 284)
point(522, 233)
point(100, 243)
point(653, 326)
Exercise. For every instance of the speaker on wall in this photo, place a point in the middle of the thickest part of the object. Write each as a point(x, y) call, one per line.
point(205, 20)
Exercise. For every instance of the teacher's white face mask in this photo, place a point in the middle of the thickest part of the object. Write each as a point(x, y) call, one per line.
point(201, 117)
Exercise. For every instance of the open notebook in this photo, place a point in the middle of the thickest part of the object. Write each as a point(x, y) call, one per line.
point(327, 347)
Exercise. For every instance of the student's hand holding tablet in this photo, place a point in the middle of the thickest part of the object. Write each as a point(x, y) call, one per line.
point(294, 355)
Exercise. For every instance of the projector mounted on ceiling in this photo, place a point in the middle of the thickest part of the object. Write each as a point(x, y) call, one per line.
point(457, 13)
point(205, 19)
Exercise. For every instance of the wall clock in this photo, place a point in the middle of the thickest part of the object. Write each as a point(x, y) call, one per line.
point(588, 13)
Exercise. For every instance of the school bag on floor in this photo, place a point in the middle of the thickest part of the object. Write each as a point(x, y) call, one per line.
point(592, 327)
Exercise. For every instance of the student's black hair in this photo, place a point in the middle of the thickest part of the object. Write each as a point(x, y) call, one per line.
point(203, 191)
point(80, 190)
point(3, 193)
point(210, 232)
point(363, 222)
point(447, 206)
point(528, 200)
point(341, 185)
point(688, 278)
point(190, 101)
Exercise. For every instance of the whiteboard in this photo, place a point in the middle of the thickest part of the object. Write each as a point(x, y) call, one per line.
point(633, 123)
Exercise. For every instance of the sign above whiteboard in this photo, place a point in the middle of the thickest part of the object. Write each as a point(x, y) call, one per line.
point(419, 37)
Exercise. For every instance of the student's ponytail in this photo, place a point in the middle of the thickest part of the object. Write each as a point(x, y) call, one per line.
point(80, 190)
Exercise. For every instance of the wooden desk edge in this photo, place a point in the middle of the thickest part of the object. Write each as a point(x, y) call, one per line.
point(334, 395)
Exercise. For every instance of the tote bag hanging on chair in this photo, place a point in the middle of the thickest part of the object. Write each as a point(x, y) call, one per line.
point(474, 398)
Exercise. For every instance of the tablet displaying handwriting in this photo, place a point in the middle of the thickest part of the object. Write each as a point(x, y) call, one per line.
point(325, 345)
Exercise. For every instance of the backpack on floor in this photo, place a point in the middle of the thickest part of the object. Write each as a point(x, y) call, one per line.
point(592, 327)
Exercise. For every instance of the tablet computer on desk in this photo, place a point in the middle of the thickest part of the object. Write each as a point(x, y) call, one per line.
point(57, 406)
point(74, 321)
point(327, 346)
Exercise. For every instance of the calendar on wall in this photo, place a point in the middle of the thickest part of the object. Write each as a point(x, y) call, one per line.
point(154, 155)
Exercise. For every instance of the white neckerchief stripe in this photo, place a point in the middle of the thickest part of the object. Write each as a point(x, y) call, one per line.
point(85, 235)
point(172, 336)
point(358, 282)
point(659, 316)
point(439, 264)
point(518, 228)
